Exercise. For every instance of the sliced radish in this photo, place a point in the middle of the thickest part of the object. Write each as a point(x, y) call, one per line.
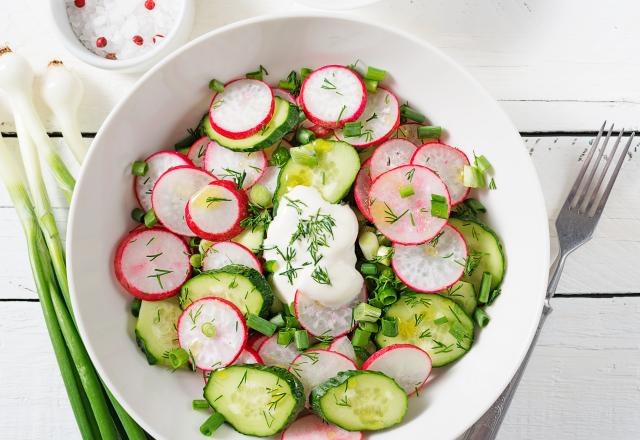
point(158, 164)
point(197, 151)
point(152, 264)
point(448, 162)
point(409, 132)
point(408, 219)
point(333, 95)
point(243, 169)
point(407, 364)
point(391, 154)
point(362, 187)
point(273, 353)
point(315, 366)
point(255, 341)
point(244, 108)
point(343, 346)
point(282, 93)
point(172, 192)
point(318, 130)
point(213, 331)
point(215, 211)
point(229, 252)
point(270, 179)
point(321, 320)
point(312, 427)
point(432, 266)
point(248, 356)
point(380, 118)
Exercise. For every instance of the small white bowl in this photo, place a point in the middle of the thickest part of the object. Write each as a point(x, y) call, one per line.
point(176, 38)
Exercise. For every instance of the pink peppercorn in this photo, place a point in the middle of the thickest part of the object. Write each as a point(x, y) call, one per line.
point(138, 40)
point(149, 4)
point(101, 42)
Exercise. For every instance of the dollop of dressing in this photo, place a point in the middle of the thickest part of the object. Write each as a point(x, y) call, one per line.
point(313, 244)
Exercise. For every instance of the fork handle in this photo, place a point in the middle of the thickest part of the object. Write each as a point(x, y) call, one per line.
point(487, 427)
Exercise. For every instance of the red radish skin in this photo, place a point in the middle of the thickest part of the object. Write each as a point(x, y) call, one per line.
point(152, 256)
point(158, 163)
point(204, 217)
point(407, 220)
point(255, 341)
point(227, 165)
point(442, 258)
point(396, 361)
point(312, 427)
point(409, 132)
point(318, 96)
point(239, 107)
point(282, 93)
point(391, 154)
point(449, 163)
point(197, 150)
point(361, 189)
point(248, 356)
point(235, 334)
point(229, 252)
point(318, 130)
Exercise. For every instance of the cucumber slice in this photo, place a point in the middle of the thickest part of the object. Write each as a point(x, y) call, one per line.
point(336, 169)
point(285, 117)
point(463, 294)
point(436, 324)
point(360, 401)
point(252, 239)
point(156, 331)
point(485, 252)
point(243, 286)
point(255, 399)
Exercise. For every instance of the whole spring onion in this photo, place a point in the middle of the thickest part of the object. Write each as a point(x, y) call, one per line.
point(62, 91)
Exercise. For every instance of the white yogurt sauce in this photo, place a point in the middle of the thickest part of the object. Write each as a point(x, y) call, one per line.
point(330, 233)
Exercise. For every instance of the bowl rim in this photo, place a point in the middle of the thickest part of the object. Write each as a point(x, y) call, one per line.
point(72, 43)
point(538, 201)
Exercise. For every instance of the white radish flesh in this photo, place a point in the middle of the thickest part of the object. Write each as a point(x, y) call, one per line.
point(407, 364)
point(316, 366)
point(241, 168)
point(362, 187)
point(321, 320)
point(197, 151)
point(171, 194)
point(270, 179)
point(312, 427)
point(391, 154)
point(343, 346)
point(225, 253)
point(158, 164)
point(256, 341)
point(248, 356)
point(213, 331)
point(152, 264)
point(275, 354)
point(432, 266)
point(448, 162)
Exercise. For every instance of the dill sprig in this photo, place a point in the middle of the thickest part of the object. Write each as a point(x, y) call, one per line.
point(258, 217)
point(390, 216)
point(237, 177)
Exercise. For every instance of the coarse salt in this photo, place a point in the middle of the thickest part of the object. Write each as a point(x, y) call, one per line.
point(130, 28)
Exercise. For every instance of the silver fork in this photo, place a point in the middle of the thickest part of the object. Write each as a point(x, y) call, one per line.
point(575, 224)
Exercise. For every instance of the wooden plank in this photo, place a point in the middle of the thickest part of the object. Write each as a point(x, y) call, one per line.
point(569, 77)
point(588, 353)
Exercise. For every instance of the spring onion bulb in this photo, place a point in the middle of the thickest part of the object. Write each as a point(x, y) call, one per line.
point(16, 82)
point(62, 91)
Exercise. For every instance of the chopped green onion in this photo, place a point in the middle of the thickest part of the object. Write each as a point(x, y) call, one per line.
point(389, 326)
point(472, 177)
point(199, 404)
point(279, 157)
point(412, 114)
point(303, 156)
point(304, 72)
point(285, 336)
point(138, 215)
point(139, 168)
point(352, 129)
point(375, 74)
point(178, 357)
point(494, 294)
point(482, 164)
point(150, 219)
point(406, 191)
point(441, 320)
point(387, 296)
point(384, 255)
point(258, 74)
point(304, 136)
point(302, 339)
point(375, 302)
point(291, 322)
point(492, 184)
point(204, 246)
point(366, 312)
point(369, 269)
point(260, 325)
point(271, 266)
point(481, 318)
point(438, 198)
point(194, 242)
point(277, 320)
point(485, 288)
point(196, 260)
point(371, 85)
point(475, 205)
point(291, 309)
point(361, 354)
point(135, 306)
point(360, 338)
point(429, 132)
point(260, 195)
point(216, 86)
point(439, 206)
point(212, 424)
point(291, 83)
point(368, 242)
point(208, 329)
point(370, 327)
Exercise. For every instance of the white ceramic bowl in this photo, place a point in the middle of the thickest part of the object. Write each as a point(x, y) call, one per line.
point(174, 39)
point(172, 97)
point(336, 5)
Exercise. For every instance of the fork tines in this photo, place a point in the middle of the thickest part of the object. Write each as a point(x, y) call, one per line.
point(586, 195)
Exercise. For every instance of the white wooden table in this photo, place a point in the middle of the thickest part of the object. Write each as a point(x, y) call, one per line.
point(558, 68)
